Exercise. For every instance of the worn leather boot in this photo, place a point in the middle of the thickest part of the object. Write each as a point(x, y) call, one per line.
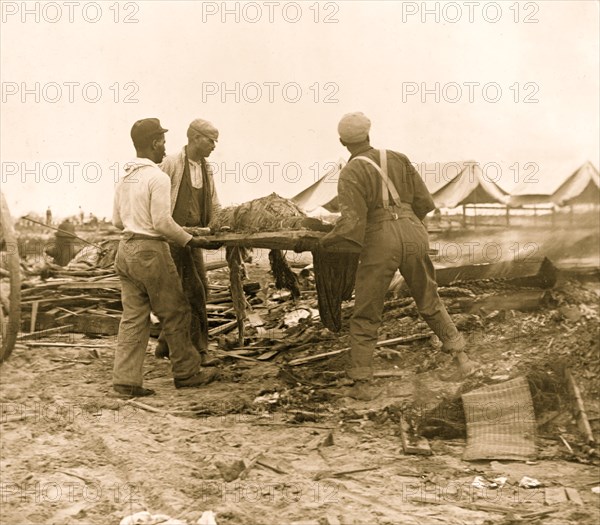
point(130, 391)
point(363, 390)
point(161, 351)
point(203, 377)
point(463, 368)
point(206, 360)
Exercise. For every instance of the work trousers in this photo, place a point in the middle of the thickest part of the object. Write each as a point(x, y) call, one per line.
point(149, 282)
point(394, 242)
point(190, 267)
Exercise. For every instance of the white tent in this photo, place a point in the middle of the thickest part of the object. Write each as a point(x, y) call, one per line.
point(461, 183)
point(452, 184)
point(323, 193)
point(581, 187)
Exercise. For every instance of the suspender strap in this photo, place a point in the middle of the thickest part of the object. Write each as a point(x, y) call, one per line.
point(388, 185)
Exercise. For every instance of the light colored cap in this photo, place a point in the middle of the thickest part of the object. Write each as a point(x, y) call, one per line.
point(354, 127)
point(205, 127)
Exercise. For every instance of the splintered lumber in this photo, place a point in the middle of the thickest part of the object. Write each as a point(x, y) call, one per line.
point(34, 311)
point(234, 259)
point(310, 359)
point(250, 466)
point(270, 464)
point(521, 300)
point(573, 495)
point(282, 240)
point(387, 342)
point(60, 300)
point(412, 444)
point(45, 332)
point(112, 284)
point(96, 324)
point(539, 273)
point(555, 495)
point(224, 328)
point(579, 409)
point(69, 345)
point(339, 473)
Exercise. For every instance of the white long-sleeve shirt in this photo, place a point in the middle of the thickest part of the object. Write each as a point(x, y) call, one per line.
point(142, 203)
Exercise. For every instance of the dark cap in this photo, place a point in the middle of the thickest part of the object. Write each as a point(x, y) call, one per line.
point(147, 128)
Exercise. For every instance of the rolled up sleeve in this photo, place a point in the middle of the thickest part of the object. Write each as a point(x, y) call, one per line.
point(349, 230)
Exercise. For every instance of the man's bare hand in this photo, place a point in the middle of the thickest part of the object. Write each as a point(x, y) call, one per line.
point(207, 243)
point(197, 230)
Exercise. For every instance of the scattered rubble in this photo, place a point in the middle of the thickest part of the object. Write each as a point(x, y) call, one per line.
point(279, 421)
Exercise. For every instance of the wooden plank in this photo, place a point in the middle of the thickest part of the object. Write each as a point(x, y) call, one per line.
point(45, 332)
point(389, 373)
point(412, 444)
point(534, 272)
point(34, 311)
point(386, 342)
point(310, 359)
point(254, 319)
point(227, 327)
point(521, 300)
point(573, 495)
point(555, 495)
point(84, 285)
point(579, 409)
point(97, 324)
point(76, 312)
point(279, 240)
point(61, 299)
point(69, 345)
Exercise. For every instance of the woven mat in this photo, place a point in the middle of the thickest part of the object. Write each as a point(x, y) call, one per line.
point(500, 422)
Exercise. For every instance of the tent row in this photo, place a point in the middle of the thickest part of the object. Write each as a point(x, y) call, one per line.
point(456, 184)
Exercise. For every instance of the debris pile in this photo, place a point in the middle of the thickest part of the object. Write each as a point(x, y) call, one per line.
point(271, 213)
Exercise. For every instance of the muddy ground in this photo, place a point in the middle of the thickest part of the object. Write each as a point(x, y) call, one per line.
point(73, 454)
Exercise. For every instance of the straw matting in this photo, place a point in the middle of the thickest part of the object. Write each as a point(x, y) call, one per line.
point(500, 422)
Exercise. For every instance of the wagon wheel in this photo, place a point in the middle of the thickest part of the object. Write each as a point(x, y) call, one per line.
point(10, 286)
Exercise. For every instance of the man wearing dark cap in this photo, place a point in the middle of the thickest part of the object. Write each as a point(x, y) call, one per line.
point(148, 276)
point(382, 203)
point(193, 204)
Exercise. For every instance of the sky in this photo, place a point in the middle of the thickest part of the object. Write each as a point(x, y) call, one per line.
point(513, 84)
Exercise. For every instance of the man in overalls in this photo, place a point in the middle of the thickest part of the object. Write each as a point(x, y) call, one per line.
point(382, 202)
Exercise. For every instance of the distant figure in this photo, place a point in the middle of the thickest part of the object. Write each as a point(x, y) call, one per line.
point(65, 246)
point(48, 216)
point(81, 215)
point(92, 220)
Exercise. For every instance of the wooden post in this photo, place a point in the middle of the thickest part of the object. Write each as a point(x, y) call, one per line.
point(234, 259)
point(10, 327)
point(570, 214)
point(508, 215)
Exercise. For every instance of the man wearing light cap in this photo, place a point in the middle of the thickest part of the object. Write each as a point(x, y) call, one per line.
point(193, 203)
point(146, 270)
point(382, 202)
